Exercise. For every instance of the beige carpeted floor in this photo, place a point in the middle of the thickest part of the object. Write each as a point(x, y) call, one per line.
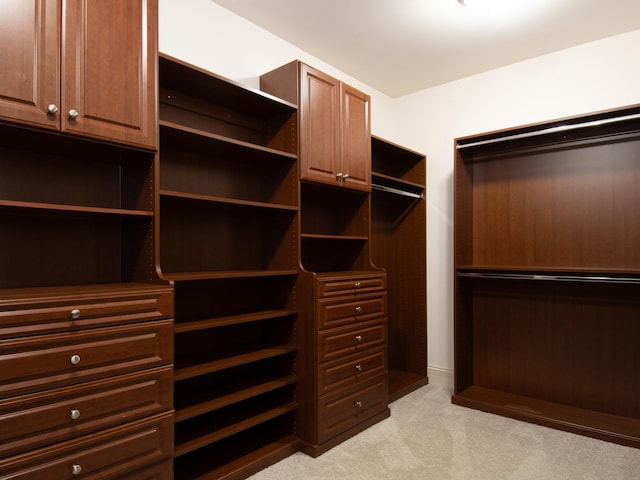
point(428, 438)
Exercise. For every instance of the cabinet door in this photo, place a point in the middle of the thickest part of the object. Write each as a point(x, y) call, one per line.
point(30, 61)
point(355, 138)
point(319, 127)
point(109, 54)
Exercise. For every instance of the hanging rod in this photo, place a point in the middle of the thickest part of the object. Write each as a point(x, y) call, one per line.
point(555, 278)
point(396, 191)
point(546, 131)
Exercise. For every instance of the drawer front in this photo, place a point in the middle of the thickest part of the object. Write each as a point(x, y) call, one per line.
point(343, 285)
point(60, 315)
point(35, 420)
point(344, 340)
point(334, 312)
point(108, 454)
point(349, 370)
point(344, 409)
point(50, 361)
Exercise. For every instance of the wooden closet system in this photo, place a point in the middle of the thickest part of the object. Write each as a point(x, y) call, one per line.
point(190, 286)
point(547, 274)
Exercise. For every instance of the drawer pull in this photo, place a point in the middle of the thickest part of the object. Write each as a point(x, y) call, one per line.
point(76, 469)
point(75, 414)
point(75, 359)
point(358, 338)
point(358, 309)
point(358, 285)
point(359, 367)
point(359, 404)
point(75, 314)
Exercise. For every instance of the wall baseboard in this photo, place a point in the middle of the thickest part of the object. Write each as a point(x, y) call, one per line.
point(441, 378)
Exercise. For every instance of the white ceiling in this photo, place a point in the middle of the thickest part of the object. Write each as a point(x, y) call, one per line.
point(403, 46)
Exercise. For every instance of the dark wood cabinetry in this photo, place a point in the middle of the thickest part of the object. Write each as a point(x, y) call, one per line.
point(86, 346)
point(87, 78)
point(343, 331)
point(548, 274)
point(398, 244)
point(334, 125)
point(228, 241)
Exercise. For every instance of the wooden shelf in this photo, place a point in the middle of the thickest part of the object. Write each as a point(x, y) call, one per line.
point(199, 403)
point(314, 236)
point(193, 276)
point(237, 461)
point(31, 207)
point(603, 426)
point(210, 433)
point(204, 324)
point(208, 199)
point(196, 369)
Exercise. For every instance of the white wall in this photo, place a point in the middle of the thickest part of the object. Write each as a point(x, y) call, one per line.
point(594, 76)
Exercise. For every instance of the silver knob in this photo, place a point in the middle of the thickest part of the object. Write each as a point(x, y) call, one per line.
point(53, 108)
point(358, 284)
point(75, 414)
point(75, 314)
point(359, 367)
point(339, 176)
point(76, 469)
point(345, 176)
point(75, 359)
point(73, 114)
point(358, 309)
point(359, 404)
point(358, 338)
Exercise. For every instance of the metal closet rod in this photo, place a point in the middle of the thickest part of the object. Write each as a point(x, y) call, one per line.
point(546, 131)
point(555, 278)
point(396, 191)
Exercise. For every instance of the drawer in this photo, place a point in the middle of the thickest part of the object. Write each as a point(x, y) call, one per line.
point(354, 368)
point(339, 411)
point(35, 420)
point(74, 308)
point(350, 284)
point(344, 340)
point(333, 312)
point(109, 454)
point(49, 361)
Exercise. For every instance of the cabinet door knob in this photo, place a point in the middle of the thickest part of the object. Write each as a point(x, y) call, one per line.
point(53, 108)
point(76, 469)
point(359, 404)
point(358, 309)
point(75, 314)
point(358, 338)
point(339, 176)
point(345, 176)
point(75, 359)
point(75, 414)
point(73, 114)
point(358, 285)
point(359, 367)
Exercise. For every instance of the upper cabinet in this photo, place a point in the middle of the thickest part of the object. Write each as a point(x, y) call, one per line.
point(334, 126)
point(72, 70)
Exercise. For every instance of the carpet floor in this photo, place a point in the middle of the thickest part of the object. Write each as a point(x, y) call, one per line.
point(427, 438)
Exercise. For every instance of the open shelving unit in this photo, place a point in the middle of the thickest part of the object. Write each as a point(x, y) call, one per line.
point(547, 274)
point(398, 244)
point(228, 195)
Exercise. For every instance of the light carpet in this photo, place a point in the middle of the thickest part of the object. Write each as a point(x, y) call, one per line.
point(427, 437)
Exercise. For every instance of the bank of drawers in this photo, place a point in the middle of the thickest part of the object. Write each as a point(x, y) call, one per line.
point(86, 382)
point(351, 351)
